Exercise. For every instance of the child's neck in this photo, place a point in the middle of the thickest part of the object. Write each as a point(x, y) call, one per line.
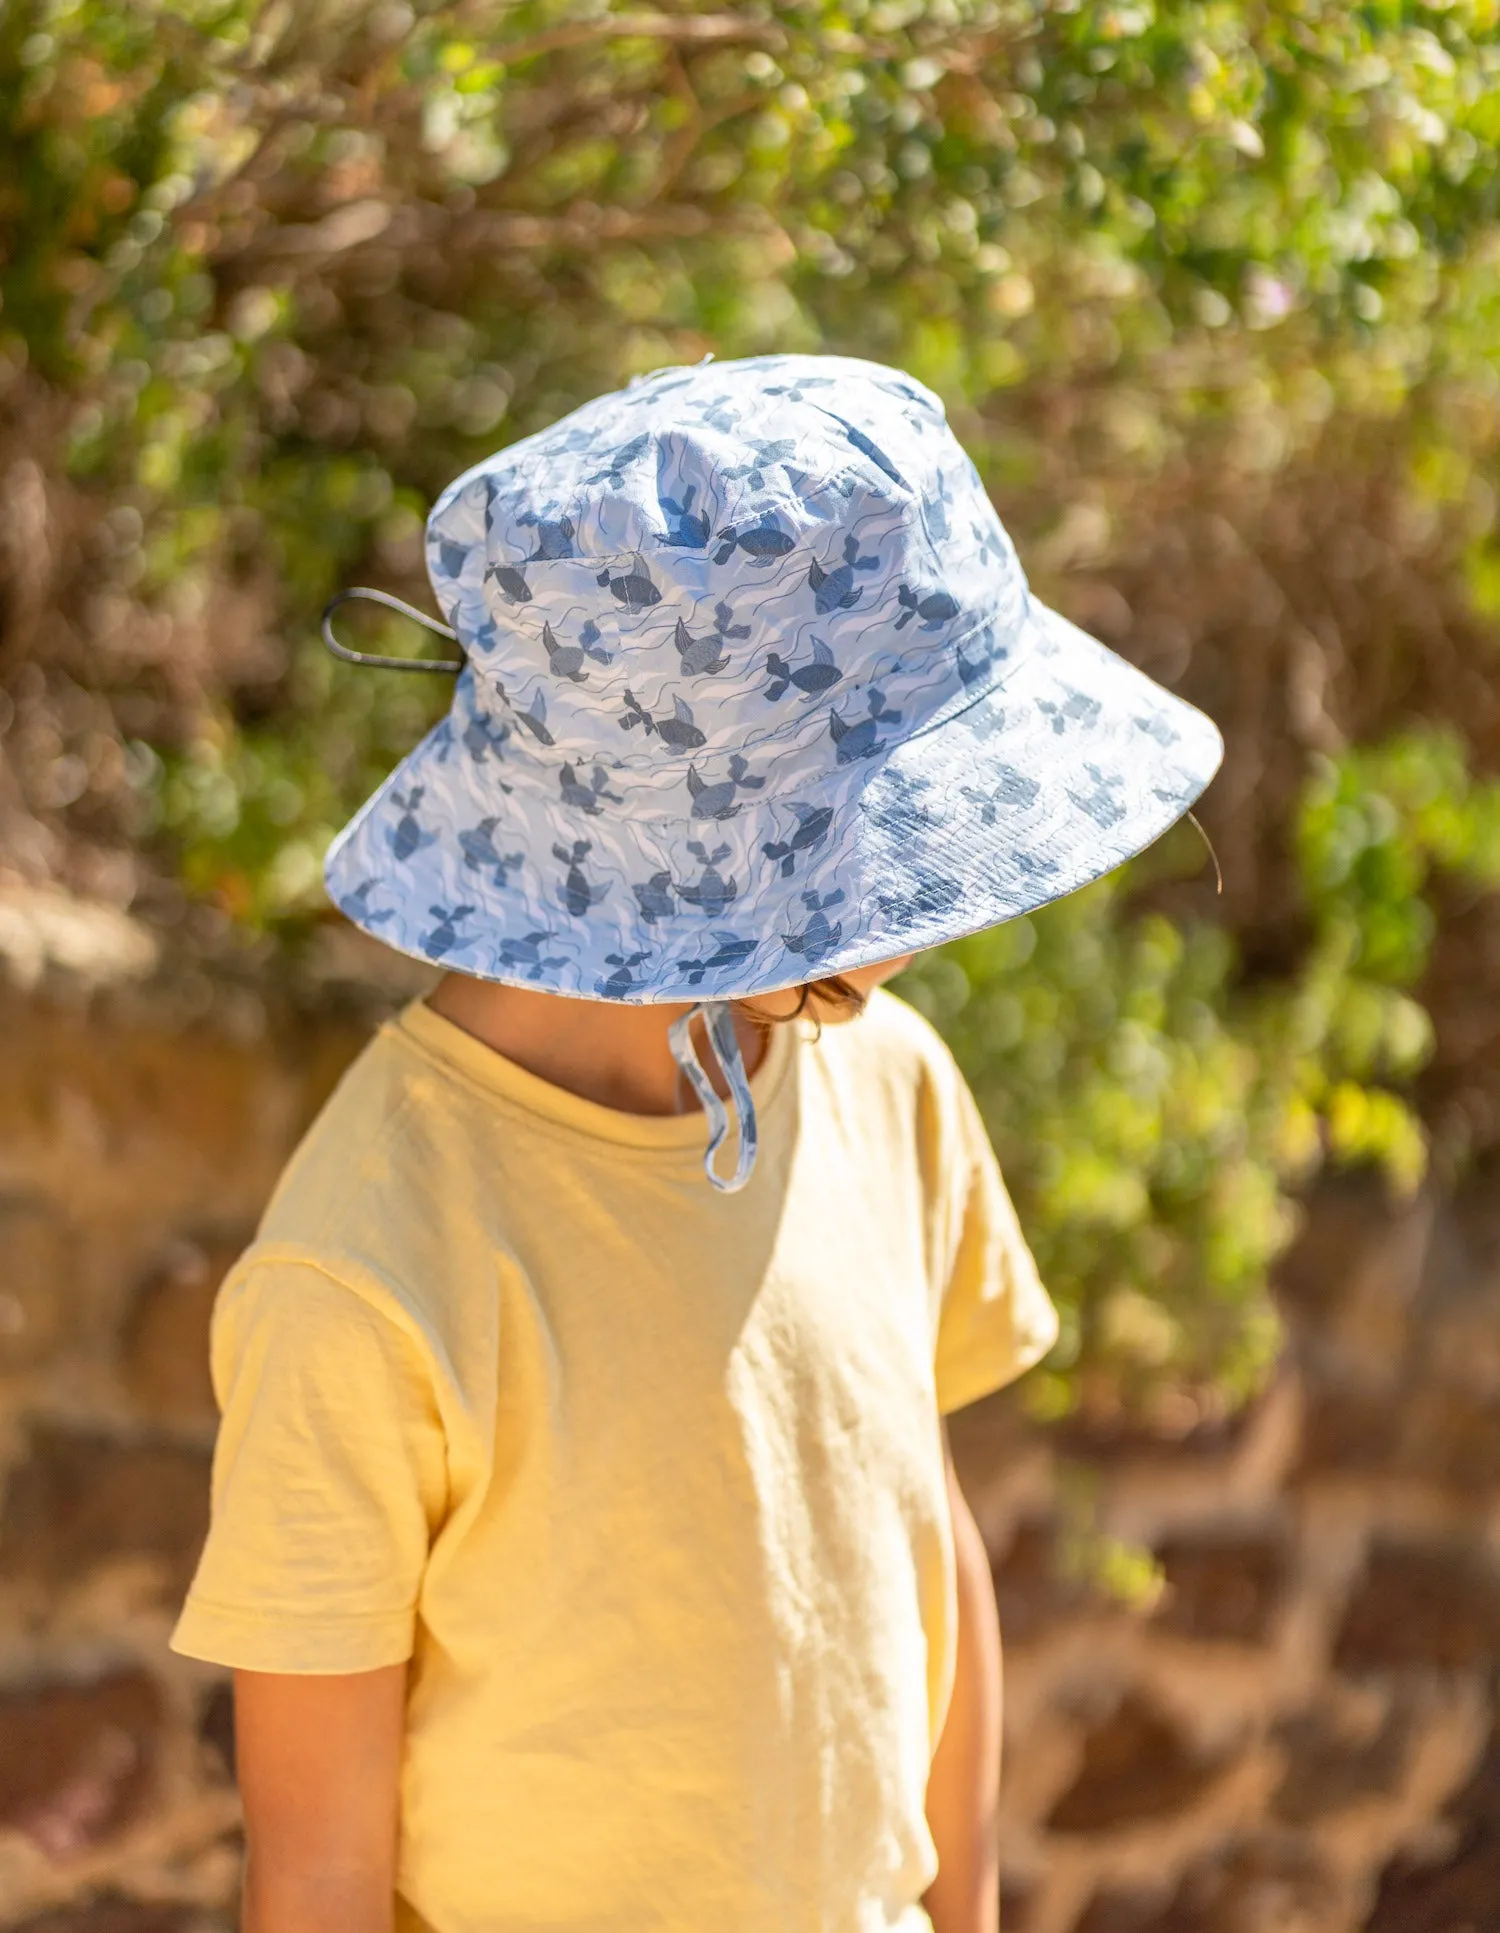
point(601, 1050)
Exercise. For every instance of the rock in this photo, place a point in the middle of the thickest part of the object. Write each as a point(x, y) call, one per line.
point(216, 1725)
point(1136, 1766)
point(166, 1332)
point(40, 1248)
point(112, 1915)
point(1224, 1587)
point(1332, 1762)
point(79, 1760)
point(1422, 1606)
point(81, 1499)
point(1264, 1883)
point(1461, 1893)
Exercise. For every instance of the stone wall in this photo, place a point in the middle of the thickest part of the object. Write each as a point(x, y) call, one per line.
point(1298, 1733)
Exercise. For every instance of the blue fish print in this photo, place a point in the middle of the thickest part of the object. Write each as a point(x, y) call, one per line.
point(687, 529)
point(451, 557)
point(895, 803)
point(409, 835)
point(443, 938)
point(934, 609)
point(812, 829)
point(585, 798)
point(711, 893)
point(1159, 730)
point(972, 665)
point(580, 894)
point(718, 801)
point(613, 472)
point(567, 660)
point(680, 731)
point(1013, 792)
point(801, 389)
point(1076, 709)
point(510, 582)
point(821, 675)
point(1101, 802)
point(873, 451)
point(554, 537)
point(817, 939)
point(633, 588)
point(356, 905)
point(526, 956)
point(623, 979)
point(928, 899)
point(836, 590)
point(729, 951)
point(766, 456)
point(534, 718)
point(761, 542)
point(862, 740)
point(701, 657)
point(477, 844)
point(654, 897)
point(485, 738)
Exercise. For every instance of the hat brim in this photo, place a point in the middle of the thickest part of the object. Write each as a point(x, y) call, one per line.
point(1049, 779)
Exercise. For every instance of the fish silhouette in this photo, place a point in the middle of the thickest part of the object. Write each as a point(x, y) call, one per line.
point(686, 529)
point(554, 537)
point(357, 905)
point(451, 557)
point(764, 456)
point(1157, 728)
point(817, 939)
point(1101, 802)
point(700, 656)
point(624, 976)
point(812, 828)
point(729, 951)
point(679, 731)
point(802, 386)
point(711, 893)
point(409, 836)
point(525, 956)
point(762, 542)
point(585, 798)
point(633, 588)
point(485, 738)
point(567, 660)
point(1013, 790)
point(510, 582)
point(613, 472)
point(927, 900)
point(477, 844)
point(654, 897)
point(1076, 709)
point(894, 802)
point(836, 590)
point(534, 718)
point(718, 801)
point(861, 740)
point(445, 936)
point(810, 679)
point(874, 452)
point(579, 893)
point(934, 608)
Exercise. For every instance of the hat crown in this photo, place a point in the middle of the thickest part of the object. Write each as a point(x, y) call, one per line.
point(789, 560)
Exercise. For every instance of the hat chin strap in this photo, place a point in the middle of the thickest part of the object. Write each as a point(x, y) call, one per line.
point(718, 1023)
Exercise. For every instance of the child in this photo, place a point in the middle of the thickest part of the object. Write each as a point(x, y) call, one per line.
point(583, 1538)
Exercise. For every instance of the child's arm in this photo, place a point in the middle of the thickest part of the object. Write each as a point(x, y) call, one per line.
point(963, 1787)
point(318, 1761)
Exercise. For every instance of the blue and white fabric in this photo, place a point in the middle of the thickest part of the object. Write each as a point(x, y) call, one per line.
point(755, 692)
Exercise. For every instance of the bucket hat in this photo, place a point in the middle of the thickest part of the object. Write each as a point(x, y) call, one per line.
point(753, 692)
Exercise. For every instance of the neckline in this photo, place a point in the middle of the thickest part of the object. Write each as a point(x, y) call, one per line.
point(440, 1039)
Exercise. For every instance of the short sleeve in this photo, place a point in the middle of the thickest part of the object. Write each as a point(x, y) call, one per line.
point(329, 1480)
point(996, 1319)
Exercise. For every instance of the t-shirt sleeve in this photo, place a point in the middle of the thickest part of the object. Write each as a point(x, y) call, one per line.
point(329, 1479)
point(995, 1319)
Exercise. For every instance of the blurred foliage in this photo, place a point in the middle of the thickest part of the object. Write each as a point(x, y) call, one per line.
point(1188, 275)
point(1155, 1111)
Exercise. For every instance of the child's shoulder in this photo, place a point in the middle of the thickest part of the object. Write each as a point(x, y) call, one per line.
point(894, 1052)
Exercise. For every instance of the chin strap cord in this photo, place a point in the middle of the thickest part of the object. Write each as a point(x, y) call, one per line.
point(718, 1023)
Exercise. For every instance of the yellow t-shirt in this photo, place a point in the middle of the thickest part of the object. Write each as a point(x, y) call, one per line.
point(647, 1481)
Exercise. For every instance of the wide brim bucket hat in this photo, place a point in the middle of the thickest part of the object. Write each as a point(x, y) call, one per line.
point(754, 691)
